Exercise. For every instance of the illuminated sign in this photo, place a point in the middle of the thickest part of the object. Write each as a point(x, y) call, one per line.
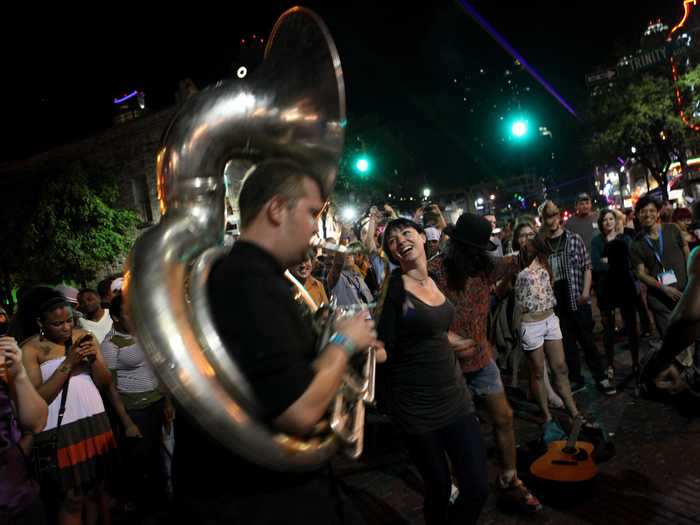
point(674, 68)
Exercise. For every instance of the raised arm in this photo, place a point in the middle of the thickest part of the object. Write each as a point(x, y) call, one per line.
point(32, 410)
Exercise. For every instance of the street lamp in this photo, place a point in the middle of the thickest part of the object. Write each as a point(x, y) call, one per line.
point(349, 213)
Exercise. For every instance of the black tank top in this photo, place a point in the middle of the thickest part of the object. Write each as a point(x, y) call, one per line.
point(425, 388)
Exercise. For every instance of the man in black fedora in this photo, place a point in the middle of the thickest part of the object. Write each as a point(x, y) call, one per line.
point(466, 273)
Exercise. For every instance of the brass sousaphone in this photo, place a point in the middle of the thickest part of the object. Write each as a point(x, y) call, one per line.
point(292, 108)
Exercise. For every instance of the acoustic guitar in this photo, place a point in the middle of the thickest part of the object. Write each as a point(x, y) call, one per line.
point(567, 461)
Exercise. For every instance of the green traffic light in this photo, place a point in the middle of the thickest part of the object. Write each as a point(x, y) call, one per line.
point(362, 165)
point(519, 128)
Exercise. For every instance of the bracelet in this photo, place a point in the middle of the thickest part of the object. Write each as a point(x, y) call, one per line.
point(342, 341)
point(64, 369)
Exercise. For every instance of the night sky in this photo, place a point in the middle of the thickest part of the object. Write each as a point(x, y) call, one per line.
point(64, 67)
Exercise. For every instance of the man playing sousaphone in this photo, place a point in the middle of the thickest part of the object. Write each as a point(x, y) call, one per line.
point(258, 321)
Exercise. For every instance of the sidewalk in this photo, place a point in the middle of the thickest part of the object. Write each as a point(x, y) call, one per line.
point(654, 477)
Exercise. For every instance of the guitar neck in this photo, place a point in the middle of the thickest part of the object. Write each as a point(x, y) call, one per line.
point(573, 436)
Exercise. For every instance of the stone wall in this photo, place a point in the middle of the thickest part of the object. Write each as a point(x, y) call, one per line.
point(126, 152)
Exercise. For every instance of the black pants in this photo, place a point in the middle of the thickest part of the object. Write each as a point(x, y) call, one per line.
point(644, 320)
point(629, 318)
point(461, 442)
point(144, 472)
point(661, 309)
point(577, 327)
point(318, 501)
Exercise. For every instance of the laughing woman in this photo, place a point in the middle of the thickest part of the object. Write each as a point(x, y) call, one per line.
point(426, 394)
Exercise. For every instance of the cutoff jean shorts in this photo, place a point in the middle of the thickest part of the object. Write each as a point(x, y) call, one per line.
point(534, 334)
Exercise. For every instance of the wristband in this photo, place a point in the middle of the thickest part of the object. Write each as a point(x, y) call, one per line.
point(344, 342)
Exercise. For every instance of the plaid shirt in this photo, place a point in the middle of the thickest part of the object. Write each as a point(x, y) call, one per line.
point(574, 260)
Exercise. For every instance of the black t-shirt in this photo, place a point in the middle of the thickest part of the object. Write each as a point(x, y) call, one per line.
point(261, 325)
point(672, 257)
point(558, 264)
point(423, 387)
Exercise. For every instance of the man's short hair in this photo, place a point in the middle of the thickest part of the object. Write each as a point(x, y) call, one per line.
point(83, 291)
point(645, 201)
point(269, 178)
point(542, 207)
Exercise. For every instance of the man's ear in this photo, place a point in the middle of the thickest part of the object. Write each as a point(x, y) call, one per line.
point(276, 209)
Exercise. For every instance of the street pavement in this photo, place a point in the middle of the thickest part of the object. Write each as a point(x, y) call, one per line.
point(653, 477)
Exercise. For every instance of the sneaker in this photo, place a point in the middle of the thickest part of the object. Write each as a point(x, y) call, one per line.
point(454, 492)
point(610, 375)
point(515, 495)
point(588, 422)
point(607, 387)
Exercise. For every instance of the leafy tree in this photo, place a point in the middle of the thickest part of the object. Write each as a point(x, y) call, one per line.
point(75, 231)
point(639, 118)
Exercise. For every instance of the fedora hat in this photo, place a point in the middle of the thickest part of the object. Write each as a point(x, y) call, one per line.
point(472, 230)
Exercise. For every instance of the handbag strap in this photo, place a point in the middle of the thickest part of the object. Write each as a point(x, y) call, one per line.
point(62, 408)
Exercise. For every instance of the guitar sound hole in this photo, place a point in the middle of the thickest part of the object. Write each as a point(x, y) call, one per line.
point(577, 454)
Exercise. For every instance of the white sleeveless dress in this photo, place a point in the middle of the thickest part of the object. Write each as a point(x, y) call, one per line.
point(85, 439)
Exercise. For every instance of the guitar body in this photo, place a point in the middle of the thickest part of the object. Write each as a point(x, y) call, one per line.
point(566, 464)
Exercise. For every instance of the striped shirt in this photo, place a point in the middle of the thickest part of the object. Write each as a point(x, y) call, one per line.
point(124, 356)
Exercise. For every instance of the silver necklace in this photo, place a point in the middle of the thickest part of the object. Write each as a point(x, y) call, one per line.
point(421, 282)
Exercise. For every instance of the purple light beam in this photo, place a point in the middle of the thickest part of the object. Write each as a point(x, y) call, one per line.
point(512, 52)
point(126, 97)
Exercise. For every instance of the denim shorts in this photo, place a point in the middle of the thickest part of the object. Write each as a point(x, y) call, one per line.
point(533, 335)
point(486, 381)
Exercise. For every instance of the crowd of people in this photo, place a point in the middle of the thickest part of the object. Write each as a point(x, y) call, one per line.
point(84, 418)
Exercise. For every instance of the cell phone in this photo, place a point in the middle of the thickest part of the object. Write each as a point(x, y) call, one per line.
point(4, 328)
point(83, 339)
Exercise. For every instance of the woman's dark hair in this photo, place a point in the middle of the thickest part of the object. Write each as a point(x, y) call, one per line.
point(463, 261)
point(398, 224)
point(515, 243)
point(602, 215)
point(115, 307)
point(681, 214)
point(35, 304)
point(536, 248)
point(645, 201)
